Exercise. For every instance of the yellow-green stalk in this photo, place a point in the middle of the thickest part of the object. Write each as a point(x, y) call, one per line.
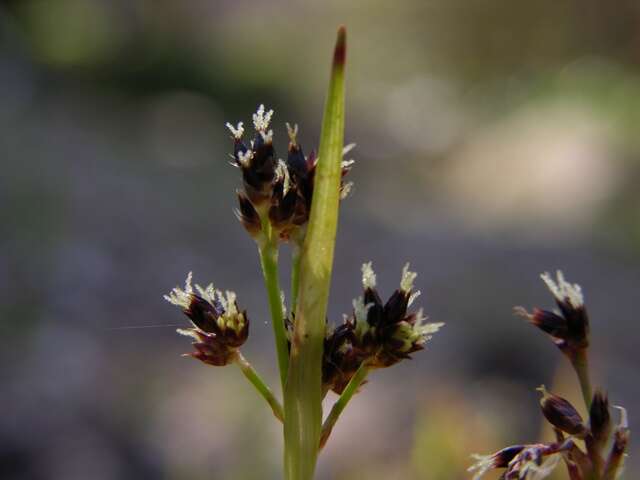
point(303, 393)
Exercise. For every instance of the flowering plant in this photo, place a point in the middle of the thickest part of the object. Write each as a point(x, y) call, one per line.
point(296, 200)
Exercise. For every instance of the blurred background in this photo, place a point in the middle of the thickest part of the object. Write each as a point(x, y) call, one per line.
point(496, 139)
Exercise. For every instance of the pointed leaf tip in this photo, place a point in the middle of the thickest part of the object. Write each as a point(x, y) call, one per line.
point(340, 52)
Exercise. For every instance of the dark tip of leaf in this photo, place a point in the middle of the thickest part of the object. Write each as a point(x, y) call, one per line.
point(340, 52)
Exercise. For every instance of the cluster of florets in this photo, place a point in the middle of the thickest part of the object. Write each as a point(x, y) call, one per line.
point(219, 327)
point(568, 328)
point(380, 334)
point(536, 461)
point(275, 191)
point(521, 461)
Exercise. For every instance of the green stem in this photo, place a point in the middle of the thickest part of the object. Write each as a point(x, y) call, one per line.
point(269, 261)
point(303, 394)
point(342, 401)
point(295, 274)
point(580, 362)
point(260, 386)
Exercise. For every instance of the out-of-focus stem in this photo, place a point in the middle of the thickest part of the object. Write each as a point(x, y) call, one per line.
point(260, 386)
point(342, 402)
point(580, 362)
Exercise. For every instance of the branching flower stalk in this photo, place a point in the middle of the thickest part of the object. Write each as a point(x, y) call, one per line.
point(296, 200)
point(593, 450)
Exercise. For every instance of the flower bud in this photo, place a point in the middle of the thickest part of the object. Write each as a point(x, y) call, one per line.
point(248, 215)
point(341, 359)
point(561, 414)
point(600, 419)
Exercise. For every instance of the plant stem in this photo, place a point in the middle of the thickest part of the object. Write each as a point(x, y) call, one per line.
point(580, 362)
point(269, 261)
point(342, 401)
point(260, 386)
point(303, 394)
point(296, 255)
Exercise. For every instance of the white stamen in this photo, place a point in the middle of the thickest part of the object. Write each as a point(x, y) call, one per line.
point(360, 311)
point(425, 330)
point(230, 307)
point(347, 164)
point(406, 283)
point(221, 300)
point(413, 296)
point(237, 132)
point(346, 189)
point(431, 328)
point(368, 276)
point(348, 148)
point(188, 332)
point(245, 158)
point(563, 290)
point(282, 172)
point(531, 470)
point(267, 137)
point(261, 119)
point(180, 297)
point(624, 419)
point(483, 464)
point(208, 293)
point(293, 132)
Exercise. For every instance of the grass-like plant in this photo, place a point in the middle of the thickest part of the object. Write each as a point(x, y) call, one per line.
point(297, 201)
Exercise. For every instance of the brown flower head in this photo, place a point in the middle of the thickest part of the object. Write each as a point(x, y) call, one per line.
point(388, 332)
point(275, 190)
point(382, 334)
point(219, 327)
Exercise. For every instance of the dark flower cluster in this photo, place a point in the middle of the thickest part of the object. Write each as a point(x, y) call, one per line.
point(568, 328)
point(274, 191)
point(522, 461)
point(219, 327)
point(376, 334)
point(538, 460)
